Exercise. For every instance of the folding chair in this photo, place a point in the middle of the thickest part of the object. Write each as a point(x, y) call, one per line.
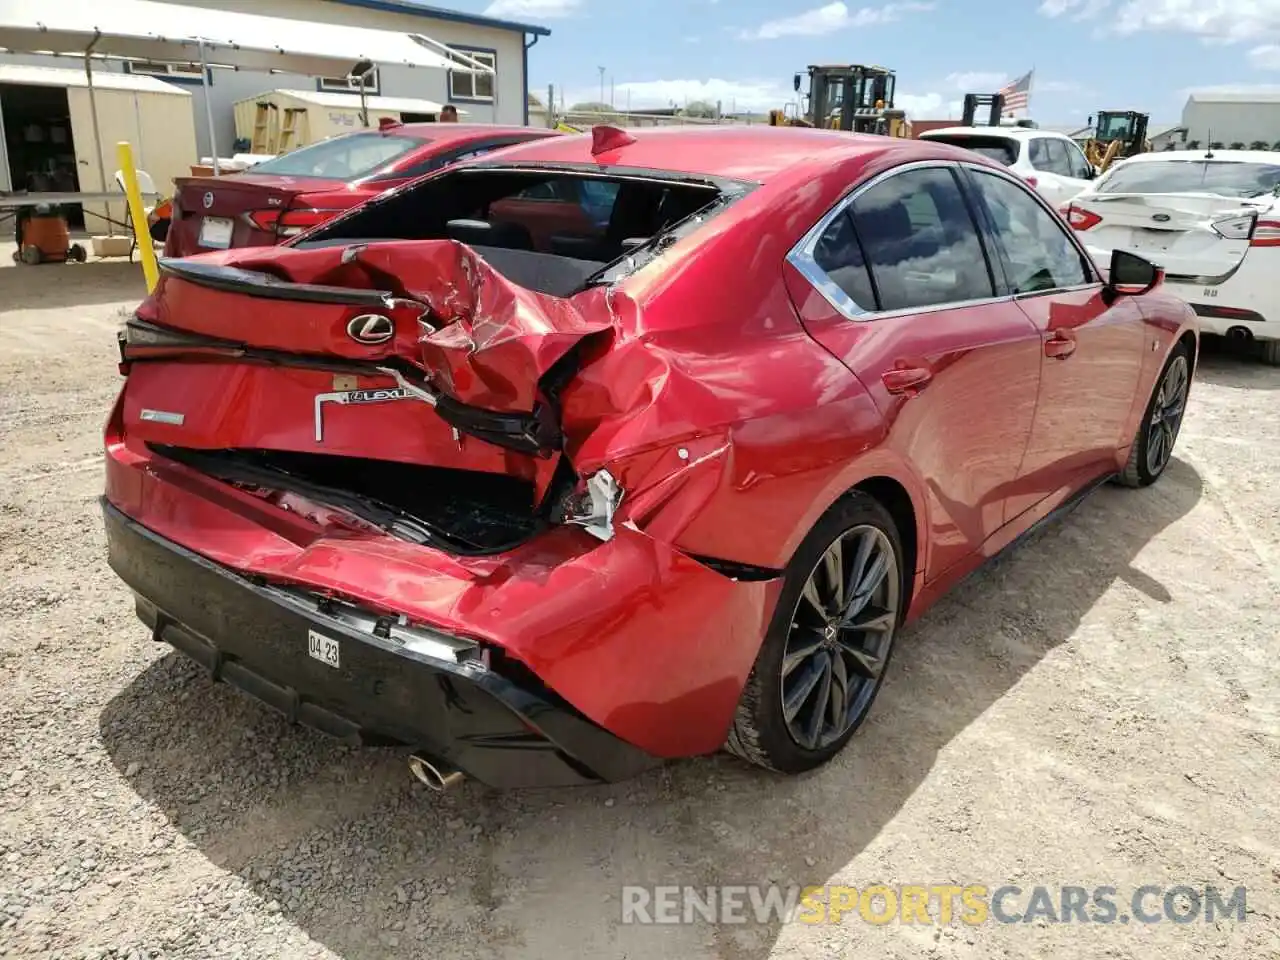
point(148, 187)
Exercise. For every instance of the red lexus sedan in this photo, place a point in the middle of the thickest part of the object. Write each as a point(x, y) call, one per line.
point(550, 505)
point(281, 198)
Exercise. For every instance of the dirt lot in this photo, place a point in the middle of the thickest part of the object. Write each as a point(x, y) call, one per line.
point(1102, 707)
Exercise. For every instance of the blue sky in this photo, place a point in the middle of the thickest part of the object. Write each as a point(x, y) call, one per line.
point(1087, 54)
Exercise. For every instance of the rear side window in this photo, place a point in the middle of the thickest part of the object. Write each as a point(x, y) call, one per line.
point(1002, 150)
point(1037, 253)
point(1038, 151)
point(1225, 178)
point(920, 240)
point(839, 255)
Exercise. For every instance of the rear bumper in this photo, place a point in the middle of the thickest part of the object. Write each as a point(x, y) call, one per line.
point(1221, 321)
point(443, 698)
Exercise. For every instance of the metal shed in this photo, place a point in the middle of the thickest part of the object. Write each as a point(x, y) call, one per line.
point(154, 116)
point(295, 118)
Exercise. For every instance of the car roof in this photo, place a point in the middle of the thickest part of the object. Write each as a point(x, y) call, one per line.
point(1001, 131)
point(1225, 156)
point(754, 152)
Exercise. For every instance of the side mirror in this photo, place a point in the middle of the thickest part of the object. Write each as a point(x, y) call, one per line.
point(1130, 276)
point(797, 83)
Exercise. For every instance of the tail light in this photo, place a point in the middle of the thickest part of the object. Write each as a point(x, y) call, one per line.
point(289, 223)
point(1080, 218)
point(1266, 234)
point(1235, 228)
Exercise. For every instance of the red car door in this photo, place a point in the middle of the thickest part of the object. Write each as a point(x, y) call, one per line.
point(897, 284)
point(1092, 352)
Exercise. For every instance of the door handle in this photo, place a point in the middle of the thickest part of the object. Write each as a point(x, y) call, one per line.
point(1059, 346)
point(906, 380)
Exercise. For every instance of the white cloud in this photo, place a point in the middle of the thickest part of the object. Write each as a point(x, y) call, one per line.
point(976, 82)
point(1266, 57)
point(831, 17)
point(533, 9)
point(1214, 21)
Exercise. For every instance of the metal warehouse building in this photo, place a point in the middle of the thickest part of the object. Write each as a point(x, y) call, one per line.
point(1229, 118)
point(501, 43)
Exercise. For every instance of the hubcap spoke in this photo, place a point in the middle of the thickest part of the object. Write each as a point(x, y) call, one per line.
point(815, 601)
point(800, 650)
point(865, 664)
point(870, 619)
point(838, 702)
point(832, 565)
point(817, 716)
point(804, 687)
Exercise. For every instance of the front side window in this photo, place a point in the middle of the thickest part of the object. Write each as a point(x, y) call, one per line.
point(1059, 159)
point(1081, 168)
point(921, 243)
point(473, 86)
point(1038, 254)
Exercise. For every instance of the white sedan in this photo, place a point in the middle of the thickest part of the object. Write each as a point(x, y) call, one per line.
point(1050, 162)
point(1210, 219)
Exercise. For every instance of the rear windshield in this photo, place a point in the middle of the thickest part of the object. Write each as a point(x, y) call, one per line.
point(342, 158)
point(554, 231)
point(1225, 178)
point(1000, 149)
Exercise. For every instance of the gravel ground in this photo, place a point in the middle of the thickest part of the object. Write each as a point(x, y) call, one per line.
point(1101, 707)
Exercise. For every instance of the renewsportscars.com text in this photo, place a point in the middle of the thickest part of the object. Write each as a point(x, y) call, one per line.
point(970, 904)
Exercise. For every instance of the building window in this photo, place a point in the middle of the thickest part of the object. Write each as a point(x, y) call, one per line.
point(473, 86)
point(166, 71)
point(372, 84)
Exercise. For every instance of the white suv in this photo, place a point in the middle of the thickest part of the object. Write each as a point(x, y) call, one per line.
point(1050, 162)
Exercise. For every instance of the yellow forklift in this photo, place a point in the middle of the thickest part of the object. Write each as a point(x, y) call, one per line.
point(853, 97)
point(1117, 135)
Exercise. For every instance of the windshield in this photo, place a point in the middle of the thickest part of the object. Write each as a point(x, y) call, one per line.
point(1225, 178)
point(1000, 149)
point(342, 158)
point(1115, 126)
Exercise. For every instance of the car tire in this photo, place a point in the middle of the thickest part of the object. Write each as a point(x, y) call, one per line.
point(855, 655)
point(1153, 446)
point(1270, 352)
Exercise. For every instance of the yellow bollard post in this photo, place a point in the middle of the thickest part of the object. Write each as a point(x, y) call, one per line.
point(138, 215)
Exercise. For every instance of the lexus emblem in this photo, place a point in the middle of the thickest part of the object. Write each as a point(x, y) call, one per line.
point(371, 328)
point(208, 201)
point(1160, 217)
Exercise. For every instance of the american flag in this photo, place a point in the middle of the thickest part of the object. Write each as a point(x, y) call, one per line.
point(1017, 94)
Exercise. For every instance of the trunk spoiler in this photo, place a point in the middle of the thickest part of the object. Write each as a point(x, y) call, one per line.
point(255, 283)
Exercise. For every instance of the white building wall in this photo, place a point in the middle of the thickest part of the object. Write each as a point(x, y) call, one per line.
point(229, 86)
point(1231, 121)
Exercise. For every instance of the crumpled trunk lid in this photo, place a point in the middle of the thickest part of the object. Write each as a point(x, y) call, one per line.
point(476, 337)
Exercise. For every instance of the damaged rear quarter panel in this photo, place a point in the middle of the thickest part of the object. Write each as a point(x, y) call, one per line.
point(711, 360)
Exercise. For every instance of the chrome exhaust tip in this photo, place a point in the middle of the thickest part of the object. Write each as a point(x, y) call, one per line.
point(435, 774)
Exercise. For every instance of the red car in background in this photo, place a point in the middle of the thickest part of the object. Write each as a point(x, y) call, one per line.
point(281, 198)
point(550, 505)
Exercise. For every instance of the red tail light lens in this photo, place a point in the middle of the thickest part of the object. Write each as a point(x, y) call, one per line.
point(289, 223)
point(1266, 234)
point(1080, 218)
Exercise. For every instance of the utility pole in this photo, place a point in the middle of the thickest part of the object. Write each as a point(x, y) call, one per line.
point(601, 69)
